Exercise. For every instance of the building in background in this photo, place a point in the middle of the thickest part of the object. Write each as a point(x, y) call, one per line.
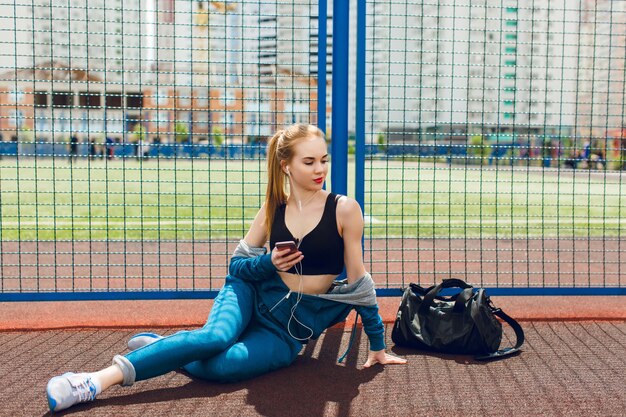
point(83, 68)
point(600, 74)
point(184, 71)
point(280, 63)
point(195, 70)
point(463, 68)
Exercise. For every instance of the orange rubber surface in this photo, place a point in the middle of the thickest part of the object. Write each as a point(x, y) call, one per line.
point(175, 313)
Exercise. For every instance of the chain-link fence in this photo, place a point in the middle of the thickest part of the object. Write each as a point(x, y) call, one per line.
point(484, 139)
point(495, 142)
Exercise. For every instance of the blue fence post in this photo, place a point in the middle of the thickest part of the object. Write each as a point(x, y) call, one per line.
point(322, 33)
point(341, 49)
point(360, 106)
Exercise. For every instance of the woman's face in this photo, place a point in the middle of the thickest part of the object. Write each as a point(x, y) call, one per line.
point(309, 166)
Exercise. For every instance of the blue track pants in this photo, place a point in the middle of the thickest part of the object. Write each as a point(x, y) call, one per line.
point(236, 343)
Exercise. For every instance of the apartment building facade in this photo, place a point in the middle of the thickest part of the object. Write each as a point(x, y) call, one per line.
point(434, 70)
point(462, 68)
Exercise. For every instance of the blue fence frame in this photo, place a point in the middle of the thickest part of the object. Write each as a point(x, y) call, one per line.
point(339, 151)
point(210, 294)
point(129, 150)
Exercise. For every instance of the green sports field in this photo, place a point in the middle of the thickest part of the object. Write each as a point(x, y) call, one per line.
point(49, 199)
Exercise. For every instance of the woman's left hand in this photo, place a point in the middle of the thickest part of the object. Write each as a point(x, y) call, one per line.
point(382, 357)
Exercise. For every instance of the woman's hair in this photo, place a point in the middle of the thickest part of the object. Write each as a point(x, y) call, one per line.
point(281, 148)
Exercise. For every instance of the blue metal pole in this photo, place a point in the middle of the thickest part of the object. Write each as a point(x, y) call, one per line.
point(360, 106)
point(322, 33)
point(339, 133)
point(210, 294)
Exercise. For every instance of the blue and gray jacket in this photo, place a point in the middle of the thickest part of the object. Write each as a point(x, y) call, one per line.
point(317, 312)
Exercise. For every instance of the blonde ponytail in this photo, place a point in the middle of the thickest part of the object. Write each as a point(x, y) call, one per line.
point(275, 194)
point(281, 148)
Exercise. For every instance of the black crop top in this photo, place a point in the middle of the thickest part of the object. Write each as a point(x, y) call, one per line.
point(322, 247)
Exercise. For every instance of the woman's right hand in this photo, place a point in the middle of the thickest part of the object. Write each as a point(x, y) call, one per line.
point(283, 260)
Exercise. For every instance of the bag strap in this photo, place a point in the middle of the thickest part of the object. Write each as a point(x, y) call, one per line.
point(519, 334)
point(434, 291)
point(462, 298)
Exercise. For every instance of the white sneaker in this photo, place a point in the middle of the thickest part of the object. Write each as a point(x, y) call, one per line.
point(142, 339)
point(68, 389)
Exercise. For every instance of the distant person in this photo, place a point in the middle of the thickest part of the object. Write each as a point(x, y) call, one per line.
point(598, 159)
point(576, 160)
point(73, 148)
point(138, 148)
point(524, 155)
point(110, 147)
point(156, 143)
point(587, 153)
point(271, 303)
point(93, 152)
point(145, 150)
point(572, 160)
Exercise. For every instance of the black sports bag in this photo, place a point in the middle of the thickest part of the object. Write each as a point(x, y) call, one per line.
point(464, 323)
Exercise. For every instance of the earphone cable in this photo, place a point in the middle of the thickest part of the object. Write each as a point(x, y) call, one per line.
point(298, 268)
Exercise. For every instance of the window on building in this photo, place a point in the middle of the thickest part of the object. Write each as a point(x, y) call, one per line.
point(184, 117)
point(17, 118)
point(113, 100)
point(62, 99)
point(202, 98)
point(16, 96)
point(86, 99)
point(134, 100)
point(201, 119)
point(264, 118)
point(161, 118)
point(42, 124)
point(228, 97)
point(40, 99)
point(184, 97)
point(162, 97)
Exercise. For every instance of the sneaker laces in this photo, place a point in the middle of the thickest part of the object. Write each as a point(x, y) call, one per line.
point(84, 388)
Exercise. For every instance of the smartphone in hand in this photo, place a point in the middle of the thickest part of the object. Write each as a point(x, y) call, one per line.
point(287, 244)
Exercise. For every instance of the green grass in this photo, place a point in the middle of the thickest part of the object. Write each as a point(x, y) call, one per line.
point(427, 200)
point(48, 199)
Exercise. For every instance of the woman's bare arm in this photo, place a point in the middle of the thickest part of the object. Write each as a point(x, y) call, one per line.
point(351, 223)
point(257, 235)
